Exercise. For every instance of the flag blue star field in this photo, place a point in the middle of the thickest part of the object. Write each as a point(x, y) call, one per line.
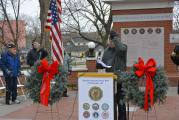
point(53, 24)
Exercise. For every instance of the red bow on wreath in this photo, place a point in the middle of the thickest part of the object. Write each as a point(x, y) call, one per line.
point(149, 69)
point(48, 73)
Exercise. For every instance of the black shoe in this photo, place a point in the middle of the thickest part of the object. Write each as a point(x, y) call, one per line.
point(65, 95)
point(8, 102)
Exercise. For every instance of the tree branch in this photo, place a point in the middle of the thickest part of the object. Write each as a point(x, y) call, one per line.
point(7, 18)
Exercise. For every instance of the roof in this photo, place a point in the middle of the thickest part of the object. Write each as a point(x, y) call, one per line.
point(83, 48)
point(79, 39)
point(70, 46)
point(73, 48)
point(69, 41)
point(130, 1)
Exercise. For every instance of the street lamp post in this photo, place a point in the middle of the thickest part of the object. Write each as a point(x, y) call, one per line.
point(91, 52)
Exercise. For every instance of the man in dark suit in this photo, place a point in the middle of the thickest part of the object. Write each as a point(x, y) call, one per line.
point(36, 53)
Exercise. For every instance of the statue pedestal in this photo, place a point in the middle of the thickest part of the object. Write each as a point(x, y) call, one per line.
point(91, 64)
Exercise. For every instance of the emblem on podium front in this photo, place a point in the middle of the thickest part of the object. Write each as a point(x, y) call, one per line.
point(95, 93)
point(86, 106)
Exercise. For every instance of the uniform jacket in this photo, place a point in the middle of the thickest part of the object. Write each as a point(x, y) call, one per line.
point(116, 57)
point(10, 64)
point(34, 55)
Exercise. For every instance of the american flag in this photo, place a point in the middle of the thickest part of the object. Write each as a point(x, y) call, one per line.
point(53, 24)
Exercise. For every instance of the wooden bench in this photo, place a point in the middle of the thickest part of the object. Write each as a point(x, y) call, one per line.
point(2, 87)
point(20, 85)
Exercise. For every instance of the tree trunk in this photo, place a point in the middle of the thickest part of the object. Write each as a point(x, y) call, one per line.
point(44, 6)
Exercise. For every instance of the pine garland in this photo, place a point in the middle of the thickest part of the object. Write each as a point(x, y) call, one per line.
point(34, 81)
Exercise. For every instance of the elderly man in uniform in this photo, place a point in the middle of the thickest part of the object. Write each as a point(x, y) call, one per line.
point(115, 55)
point(10, 65)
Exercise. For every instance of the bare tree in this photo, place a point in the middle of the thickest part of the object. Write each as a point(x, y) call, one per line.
point(176, 16)
point(32, 29)
point(88, 16)
point(44, 6)
point(81, 16)
point(32, 25)
point(2, 39)
point(5, 5)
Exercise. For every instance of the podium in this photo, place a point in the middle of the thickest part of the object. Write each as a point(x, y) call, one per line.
point(96, 96)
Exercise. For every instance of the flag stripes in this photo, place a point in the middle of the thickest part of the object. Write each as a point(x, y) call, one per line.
point(53, 24)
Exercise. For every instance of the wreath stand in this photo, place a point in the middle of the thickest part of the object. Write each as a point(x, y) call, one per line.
point(142, 83)
point(137, 83)
point(178, 80)
point(52, 111)
point(128, 110)
point(175, 60)
point(146, 113)
point(57, 85)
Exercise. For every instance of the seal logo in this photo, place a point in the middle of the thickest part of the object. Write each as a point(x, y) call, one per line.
point(95, 115)
point(150, 30)
point(158, 30)
point(86, 114)
point(141, 31)
point(95, 93)
point(86, 106)
point(126, 31)
point(95, 106)
point(105, 115)
point(133, 31)
point(105, 106)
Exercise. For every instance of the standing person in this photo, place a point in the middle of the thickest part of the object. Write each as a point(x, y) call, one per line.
point(10, 65)
point(35, 53)
point(67, 67)
point(115, 55)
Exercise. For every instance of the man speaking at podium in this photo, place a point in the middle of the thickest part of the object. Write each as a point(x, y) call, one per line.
point(115, 55)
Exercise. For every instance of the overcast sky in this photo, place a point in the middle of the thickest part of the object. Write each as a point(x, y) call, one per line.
point(30, 7)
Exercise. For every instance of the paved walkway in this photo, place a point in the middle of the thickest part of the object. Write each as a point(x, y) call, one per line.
point(67, 109)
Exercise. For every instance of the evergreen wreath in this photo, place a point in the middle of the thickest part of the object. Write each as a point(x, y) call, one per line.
point(57, 84)
point(134, 90)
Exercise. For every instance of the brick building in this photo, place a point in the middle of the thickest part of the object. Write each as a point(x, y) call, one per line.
point(8, 36)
